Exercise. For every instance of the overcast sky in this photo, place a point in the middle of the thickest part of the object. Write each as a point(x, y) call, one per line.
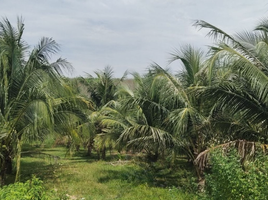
point(128, 34)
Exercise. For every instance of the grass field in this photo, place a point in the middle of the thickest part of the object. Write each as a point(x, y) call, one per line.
point(81, 177)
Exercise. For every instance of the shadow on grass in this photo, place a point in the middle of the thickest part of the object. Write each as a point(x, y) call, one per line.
point(154, 175)
point(37, 166)
point(82, 156)
point(33, 166)
point(127, 174)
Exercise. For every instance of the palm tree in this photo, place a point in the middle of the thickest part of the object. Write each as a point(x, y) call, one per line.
point(244, 95)
point(103, 87)
point(145, 130)
point(77, 125)
point(33, 95)
point(187, 120)
point(167, 111)
point(240, 98)
point(101, 92)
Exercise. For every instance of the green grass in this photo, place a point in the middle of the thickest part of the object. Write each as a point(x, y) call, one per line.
point(83, 177)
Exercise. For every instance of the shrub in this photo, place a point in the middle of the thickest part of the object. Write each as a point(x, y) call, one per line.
point(229, 179)
point(30, 190)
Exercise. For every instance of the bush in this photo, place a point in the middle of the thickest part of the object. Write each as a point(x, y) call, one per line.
point(30, 190)
point(229, 179)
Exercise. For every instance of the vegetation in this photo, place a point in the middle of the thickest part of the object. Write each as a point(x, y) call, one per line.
point(31, 189)
point(231, 180)
point(217, 102)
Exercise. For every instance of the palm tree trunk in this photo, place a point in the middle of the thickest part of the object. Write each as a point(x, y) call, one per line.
point(103, 153)
point(3, 172)
point(6, 166)
point(19, 143)
point(89, 150)
point(90, 147)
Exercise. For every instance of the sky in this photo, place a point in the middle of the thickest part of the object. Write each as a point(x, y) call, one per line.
point(128, 34)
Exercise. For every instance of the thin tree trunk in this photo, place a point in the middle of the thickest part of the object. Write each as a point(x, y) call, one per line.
point(90, 147)
point(103, 153)
point(89, 150)
point(3, 172)
point(19, 143)
point(198, 172)
point(6, 166)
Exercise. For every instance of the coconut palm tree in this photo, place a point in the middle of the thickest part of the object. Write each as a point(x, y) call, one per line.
point(103, 87)
point(145, 130)
point(33, 95)
point(240, 98)
point(101, 90)
point(244, 94)
point(80, 125)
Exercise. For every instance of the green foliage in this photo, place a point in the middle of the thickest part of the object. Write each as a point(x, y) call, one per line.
point(32, 189)
point(229, 179)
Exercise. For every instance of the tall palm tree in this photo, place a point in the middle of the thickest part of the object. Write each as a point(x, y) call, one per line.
point(32, 92)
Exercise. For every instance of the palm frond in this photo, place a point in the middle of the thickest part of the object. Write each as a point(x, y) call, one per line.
point(45, 49)
point(245, 148)
point(134, 134)
point(192, 63)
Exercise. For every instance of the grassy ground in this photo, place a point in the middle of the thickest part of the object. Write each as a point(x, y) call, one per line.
point(81, 177)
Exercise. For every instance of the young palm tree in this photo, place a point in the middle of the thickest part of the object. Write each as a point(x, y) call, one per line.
point(101, 91)
point(77, 125)
point(187, 120)
point(244, 95)
point(240, 99)
point(145, 130)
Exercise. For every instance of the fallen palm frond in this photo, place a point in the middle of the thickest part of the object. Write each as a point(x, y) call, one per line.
point(245, 149)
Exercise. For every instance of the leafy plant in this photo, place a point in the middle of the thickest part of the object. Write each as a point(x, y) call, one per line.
point(231, 179)
point(32, 189)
